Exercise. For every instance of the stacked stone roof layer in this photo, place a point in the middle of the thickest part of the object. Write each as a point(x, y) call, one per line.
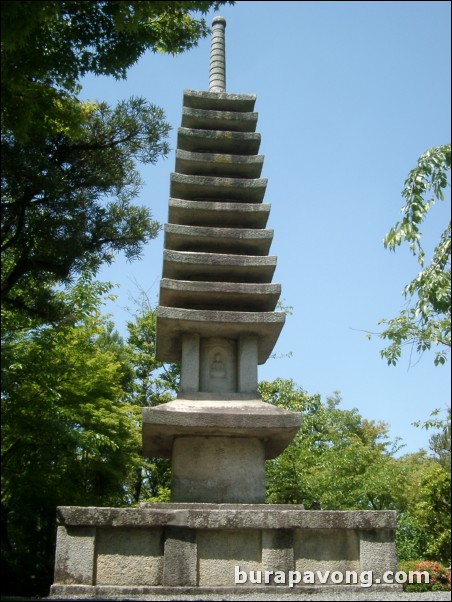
point(217, 271)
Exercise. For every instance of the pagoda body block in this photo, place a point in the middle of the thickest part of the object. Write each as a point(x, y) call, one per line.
point(216, 314)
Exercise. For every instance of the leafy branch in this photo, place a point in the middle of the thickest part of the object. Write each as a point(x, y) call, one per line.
point(426, 321)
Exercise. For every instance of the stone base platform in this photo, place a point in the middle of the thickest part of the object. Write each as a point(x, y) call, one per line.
point(194, 548)
point(220, 594)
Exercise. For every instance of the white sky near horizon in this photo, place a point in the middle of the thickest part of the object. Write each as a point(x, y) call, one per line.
point(349, 95)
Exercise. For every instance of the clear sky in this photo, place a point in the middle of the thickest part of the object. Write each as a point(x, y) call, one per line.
point(349, 95)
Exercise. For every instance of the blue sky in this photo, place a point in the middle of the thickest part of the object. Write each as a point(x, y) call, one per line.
point(349, 95)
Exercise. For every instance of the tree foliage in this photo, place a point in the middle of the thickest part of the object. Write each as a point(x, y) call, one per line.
point(153, 384)
point(47, 47)
point(440, 442)
point(71, 425)
point(66, 202)
point(69, 169)
point(425, 323)
point(333, 460)
point(424, 526)
point(432, 512)
point(69, 436)
point(340, 461)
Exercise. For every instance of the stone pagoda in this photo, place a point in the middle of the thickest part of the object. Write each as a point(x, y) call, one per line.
point(216, 311)
point(216, 316)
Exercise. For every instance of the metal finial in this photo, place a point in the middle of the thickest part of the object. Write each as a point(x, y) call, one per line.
point(217, 75)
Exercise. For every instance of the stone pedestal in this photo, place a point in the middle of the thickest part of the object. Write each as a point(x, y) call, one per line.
point(203, 549)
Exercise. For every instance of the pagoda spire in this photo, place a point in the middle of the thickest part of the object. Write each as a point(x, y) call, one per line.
point(217, 74)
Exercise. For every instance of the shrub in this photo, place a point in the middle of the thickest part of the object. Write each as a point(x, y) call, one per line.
point(439, 576)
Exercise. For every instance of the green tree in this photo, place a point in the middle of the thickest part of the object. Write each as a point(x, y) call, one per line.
point(439, 442)
point(67, 203)
point(412, 534)
point(425, 323)
point(411, 538)
point(47, 47)
point(332, 461)
point(69, 436)
point(432, 513)
point(69, 172)
point(154, 383)
point(341, 461)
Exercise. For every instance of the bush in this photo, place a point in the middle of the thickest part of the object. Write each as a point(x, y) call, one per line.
point(439, 576)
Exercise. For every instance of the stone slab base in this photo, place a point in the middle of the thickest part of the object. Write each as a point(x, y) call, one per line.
point(303, 592)
point(101, 551)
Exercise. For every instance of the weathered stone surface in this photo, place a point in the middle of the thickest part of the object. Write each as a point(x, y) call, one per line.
point(247, 361)
point(219, 342)
point(234, 418)
point(172, 322)
point(197, 546)
point(238, 592)
point(180, 557)
point(198, 99)
point(219, 165)
point(74, 562)
point(218, 469)
point(223, 296)
point(216, 315)
point(190, 363)
point(227, 516)
point(129, 556)
point(334, 549)
point(239, 241)
point(217, 66)
point(219, 551)
point(278, 550)
point(215, 188)
point(231, 121)
point(210, 213)
point(377, 551)
point(217, 141)
point(218, 366)
point(218, 267)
